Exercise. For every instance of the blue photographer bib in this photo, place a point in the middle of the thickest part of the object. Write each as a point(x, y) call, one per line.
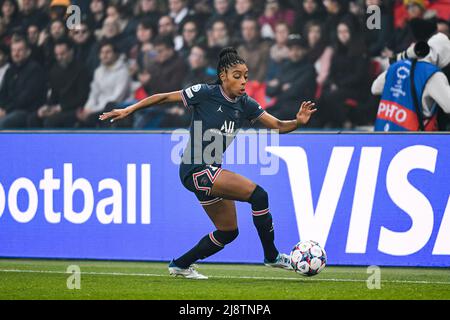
point(396, 111)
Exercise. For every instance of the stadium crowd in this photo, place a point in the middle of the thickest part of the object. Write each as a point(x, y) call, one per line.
point(58, 71)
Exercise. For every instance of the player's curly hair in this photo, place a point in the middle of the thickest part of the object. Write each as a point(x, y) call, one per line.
point(228, 57)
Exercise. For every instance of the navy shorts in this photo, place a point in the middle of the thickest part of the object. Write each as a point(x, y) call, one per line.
point(200, 182)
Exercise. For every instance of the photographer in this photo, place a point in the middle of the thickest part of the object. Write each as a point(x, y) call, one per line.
point(404, 107)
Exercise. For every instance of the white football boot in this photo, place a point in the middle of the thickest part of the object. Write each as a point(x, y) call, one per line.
point(188, 273)
point(282, 261)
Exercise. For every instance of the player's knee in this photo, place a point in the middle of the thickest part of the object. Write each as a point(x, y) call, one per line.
point(226, 237)
point(259, 199)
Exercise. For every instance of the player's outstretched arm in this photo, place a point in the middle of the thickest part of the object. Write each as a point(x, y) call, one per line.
point(117, 114)
point(285, 126)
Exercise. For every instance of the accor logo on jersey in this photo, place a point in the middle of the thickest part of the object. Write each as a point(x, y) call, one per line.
point(228, 127)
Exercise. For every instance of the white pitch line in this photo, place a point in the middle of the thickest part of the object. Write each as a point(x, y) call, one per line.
point(299, 278)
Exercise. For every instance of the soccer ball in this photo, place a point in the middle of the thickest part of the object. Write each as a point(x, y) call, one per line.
point(308, 258)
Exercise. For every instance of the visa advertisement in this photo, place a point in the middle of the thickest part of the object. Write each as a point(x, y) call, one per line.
point(368, 199)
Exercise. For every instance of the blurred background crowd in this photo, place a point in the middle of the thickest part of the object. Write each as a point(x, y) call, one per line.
point(58, 71)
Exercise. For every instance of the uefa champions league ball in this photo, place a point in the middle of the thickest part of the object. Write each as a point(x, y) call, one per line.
point(308, 258)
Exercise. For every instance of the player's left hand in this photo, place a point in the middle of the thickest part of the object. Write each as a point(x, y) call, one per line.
point(305, 112)
point(115, 114)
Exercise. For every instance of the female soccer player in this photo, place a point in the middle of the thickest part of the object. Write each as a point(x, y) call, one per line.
point(222, 107)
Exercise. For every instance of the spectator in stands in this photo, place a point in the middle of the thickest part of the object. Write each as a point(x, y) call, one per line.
point(122, 13)
point(4, 38)
point(111, 32)
point(295, 81)
point(223, 10)
point(218, 38)
point(337, 10)
point(279, 50)
point(57, 32)
point(178, 11)
point(165, 75)
point(357, 8)
point(167, 27)
point(86, 46)
point(23, 88)
point(443, 26)
point(191, 37)
point(10, 17)
point(243, 9)
point(402, 37)
point(33, 33)
point(113, 11)
point(110, 85)
point(148, 9)
point(254, 51)
point(377, 38)
point(58, 9)
point(142, 54)
point(96, 16)
point(320, 53)
point(202, 12)
point(199, 70)
point(168, 71)
point(4, 62)
point(415, 8)
point(31, 15)
point(69, 85)
point(310, 10)
point(273, 14)
point(348, 79)
point(43, 5)
point(37, 54)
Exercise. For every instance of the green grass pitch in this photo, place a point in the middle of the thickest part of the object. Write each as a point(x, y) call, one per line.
point(47, 279)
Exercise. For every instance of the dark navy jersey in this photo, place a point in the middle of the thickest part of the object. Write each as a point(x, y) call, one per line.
point(215, 122)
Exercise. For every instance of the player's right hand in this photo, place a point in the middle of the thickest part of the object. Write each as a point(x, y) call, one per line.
point(114, 115)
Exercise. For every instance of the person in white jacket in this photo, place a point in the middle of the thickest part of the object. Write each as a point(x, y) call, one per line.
point(437, 88)
point(111, 84)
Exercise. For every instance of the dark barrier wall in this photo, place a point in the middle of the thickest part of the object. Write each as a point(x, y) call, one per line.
point(368, 199)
